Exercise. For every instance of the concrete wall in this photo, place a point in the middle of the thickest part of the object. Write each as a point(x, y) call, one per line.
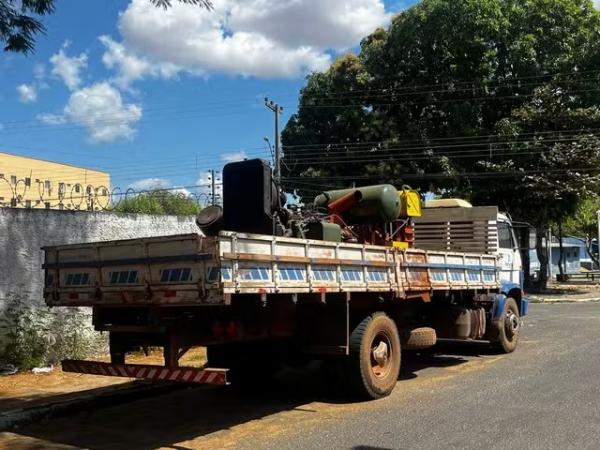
point(24, 231)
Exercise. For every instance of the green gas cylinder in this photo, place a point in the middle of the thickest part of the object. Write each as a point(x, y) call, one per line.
point(380, 202)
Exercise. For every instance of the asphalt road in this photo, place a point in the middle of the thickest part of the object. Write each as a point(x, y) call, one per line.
point(546, 395)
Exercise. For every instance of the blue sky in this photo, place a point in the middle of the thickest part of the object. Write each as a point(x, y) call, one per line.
point(156, 98)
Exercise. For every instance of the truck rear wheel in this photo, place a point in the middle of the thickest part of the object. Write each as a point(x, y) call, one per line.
point(374, 357)
point(507, 327)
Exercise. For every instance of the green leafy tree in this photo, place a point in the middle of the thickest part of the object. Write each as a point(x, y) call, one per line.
point(489, 99)
point(583, 224)
point(159, 202)
point(544, 178)
point(20, 20)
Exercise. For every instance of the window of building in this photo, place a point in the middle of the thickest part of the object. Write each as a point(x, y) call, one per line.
point(61, 188)
point(47, 204)
point(13, 179)
point(28, 182)
point(27, 203)
point(77, 188)
point(47, 185)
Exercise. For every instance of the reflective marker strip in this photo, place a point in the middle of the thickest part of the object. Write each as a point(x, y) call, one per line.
point(187, 374)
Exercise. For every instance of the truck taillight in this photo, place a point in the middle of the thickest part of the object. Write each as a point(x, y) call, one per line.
point(217, 330)
point(233, 330)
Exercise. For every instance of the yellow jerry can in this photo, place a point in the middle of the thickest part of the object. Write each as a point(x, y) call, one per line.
point(410, 202)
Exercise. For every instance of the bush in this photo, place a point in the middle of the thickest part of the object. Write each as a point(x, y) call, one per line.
point(34, 335)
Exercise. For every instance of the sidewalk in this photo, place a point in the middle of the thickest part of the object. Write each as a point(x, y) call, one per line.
point(25, 396)
point(573, 292)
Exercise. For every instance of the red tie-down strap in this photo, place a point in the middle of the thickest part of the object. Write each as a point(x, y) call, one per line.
point(148, 372)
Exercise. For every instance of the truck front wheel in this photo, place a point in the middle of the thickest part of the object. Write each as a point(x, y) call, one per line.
point(374, 357)
point(506, 329)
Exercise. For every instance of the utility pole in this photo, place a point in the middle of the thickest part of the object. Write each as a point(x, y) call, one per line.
point(212, 184)
point(213, 187)
point(277, 110)
point(598, 237)
point(549, 252)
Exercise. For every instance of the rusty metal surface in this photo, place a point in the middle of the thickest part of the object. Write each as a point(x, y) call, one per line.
point(235, 263)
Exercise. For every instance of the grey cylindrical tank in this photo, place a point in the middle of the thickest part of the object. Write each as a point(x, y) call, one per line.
point(377, 202)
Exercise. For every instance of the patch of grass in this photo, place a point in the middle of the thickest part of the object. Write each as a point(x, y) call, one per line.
point(33, 335)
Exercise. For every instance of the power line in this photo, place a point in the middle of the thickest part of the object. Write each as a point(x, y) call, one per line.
point(510, 79)
point(435, 139)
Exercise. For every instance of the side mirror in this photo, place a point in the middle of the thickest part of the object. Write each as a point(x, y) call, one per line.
point(532, 238)
point(526, 234)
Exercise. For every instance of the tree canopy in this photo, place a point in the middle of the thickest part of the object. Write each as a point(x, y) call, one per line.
point(583, 224)
point(450, 90)
point(20, 20)
point(159, 202)
point(493, 100)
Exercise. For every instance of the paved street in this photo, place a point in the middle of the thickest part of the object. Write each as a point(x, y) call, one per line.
point(546, 395)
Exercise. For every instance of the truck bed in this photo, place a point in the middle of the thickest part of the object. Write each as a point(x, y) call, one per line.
point(193, 269)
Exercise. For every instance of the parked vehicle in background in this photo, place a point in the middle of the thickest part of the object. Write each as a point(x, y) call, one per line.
point(360, 276)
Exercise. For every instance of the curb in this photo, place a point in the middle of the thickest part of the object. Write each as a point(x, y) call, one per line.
point(115, 396)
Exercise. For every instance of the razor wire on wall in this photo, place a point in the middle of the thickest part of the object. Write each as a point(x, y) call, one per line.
point(39, 194)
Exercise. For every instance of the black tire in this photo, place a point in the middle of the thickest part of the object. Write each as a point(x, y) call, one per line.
point(506, 330)
point(375, 356)
point(419, 338)
point(118, 348)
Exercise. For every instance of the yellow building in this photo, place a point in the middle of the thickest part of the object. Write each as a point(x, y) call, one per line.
point(36, 183)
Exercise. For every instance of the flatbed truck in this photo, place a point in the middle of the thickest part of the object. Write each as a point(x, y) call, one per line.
point(256, 299)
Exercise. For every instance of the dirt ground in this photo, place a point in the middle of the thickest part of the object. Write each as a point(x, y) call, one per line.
point(27, 388)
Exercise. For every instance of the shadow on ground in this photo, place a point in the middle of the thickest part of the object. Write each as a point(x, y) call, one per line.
point(189, 413)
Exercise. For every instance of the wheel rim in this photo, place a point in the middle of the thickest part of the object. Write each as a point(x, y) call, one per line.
point(381, 355)
point(511, 324)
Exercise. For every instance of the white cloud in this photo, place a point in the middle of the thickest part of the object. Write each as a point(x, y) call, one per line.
point(149, 184)
point(68, 68)
point(100, 109)
point(39, 71)
point(157, 184)
point(262, 38)
point(317, 23)
point(52, 119)
point(130, 66)
point(234, 156)
point(27, 93)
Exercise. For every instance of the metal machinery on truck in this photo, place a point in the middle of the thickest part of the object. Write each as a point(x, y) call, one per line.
point(345, 280)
